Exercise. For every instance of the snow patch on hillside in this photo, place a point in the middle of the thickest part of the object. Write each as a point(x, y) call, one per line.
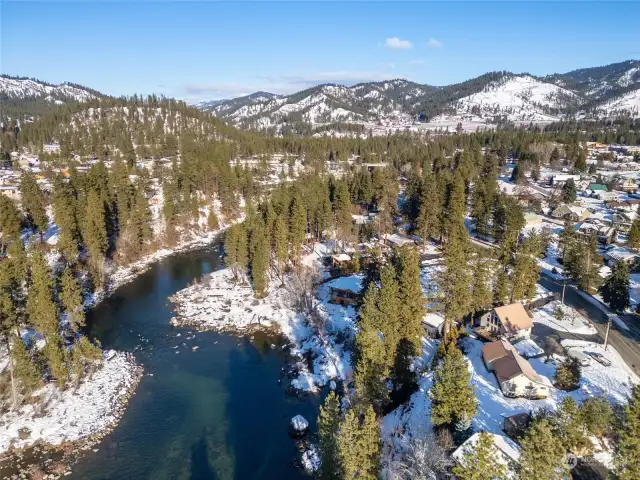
point(518, 98)
point(30, 88)
point(629, 103)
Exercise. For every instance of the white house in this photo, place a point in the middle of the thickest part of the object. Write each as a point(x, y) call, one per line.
point(560, 179)
point(433, 324)
point(515, 375)
point(395, 240)
point(619, 254)
point(510, 321)
point(507, 452)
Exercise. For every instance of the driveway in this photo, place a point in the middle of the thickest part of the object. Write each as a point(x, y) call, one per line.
point(626, 342)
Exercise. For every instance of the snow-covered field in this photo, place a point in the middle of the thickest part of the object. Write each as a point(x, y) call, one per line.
point(72, 416)
point(216, 303)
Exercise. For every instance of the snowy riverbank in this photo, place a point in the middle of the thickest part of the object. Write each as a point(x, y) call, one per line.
point(218, 304)
point(81, 416)
point(120, 276)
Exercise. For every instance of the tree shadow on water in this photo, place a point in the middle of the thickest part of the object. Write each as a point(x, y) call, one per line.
point(200, 468)
point(258, 412)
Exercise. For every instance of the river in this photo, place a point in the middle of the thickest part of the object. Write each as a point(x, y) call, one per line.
point(217, 412)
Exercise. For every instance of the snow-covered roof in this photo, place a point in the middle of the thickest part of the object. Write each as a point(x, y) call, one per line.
point(433, 320)
point(351, 284)
point(399, 240)
point(508, 449)
point(619, 253)
point(341, 257)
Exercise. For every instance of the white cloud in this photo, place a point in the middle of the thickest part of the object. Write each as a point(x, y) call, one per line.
point(417, 61)
point(396, 43)
point(434, 43)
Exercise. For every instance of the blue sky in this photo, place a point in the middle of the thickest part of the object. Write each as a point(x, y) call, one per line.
point(210, 50)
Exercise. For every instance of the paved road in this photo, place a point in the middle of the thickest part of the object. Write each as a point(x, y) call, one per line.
point(627, 343)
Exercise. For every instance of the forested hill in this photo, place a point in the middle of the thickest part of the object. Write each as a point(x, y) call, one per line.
point(28, 98)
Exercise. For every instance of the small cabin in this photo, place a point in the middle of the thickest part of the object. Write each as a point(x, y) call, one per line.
point(340, 260)
point(345, 291)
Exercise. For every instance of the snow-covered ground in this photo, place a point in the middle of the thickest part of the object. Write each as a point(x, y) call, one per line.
point(72, 416)
point(413, 418)
point(216, 303)
point(528, 348)
point(573, 321)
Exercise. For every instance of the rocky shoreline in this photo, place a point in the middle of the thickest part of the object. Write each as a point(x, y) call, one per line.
point(42, 460)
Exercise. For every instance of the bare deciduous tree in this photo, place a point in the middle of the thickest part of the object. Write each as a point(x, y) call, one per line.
point(422, 458)
point(301, 285)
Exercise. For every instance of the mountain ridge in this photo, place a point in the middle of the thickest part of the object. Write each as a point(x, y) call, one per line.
point(490, 98)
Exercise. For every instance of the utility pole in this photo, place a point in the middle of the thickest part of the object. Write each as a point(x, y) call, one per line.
point(606, 335)
point(564, 286)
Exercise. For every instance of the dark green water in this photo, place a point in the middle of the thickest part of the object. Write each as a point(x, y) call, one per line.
point(214, 413)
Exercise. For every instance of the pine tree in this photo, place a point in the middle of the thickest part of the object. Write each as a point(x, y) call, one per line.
point(259, 259)
point(627, 458)
point(43, 312)
point(597, 416)
point(359, 445)
point(452, 395)
point(9, 222)
point(328, 431)
point(581, 161)
point(569, 427)
point(372, 361)
point(428, 215)
point(569, 191)
point(71, 300)
point(212, 220)
point(568, 374)
point(615, 289)
point(584, 264)
point(411, 298)
point(484, 195)
point(517, 176)
point(542, 454)
point(633, 239)
point(231, 249)
point(34, 202)
point(236, 250)
point(94, 232)
point(26, 371)
point(481, 462)
point(481, 295)
point(84, 354)
point(342, 211)
point(64, 213)
point(242, 249)
point(280, 244)
point(297, 226)
point(567, 239)
point(526, 272)
point(500, 287)
point(454, 282)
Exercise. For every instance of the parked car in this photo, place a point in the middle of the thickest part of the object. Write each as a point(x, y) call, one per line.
point(582, 359)
point(598, 357)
